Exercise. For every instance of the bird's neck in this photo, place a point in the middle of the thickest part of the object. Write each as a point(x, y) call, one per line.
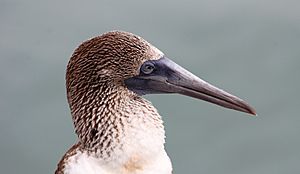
point(120, 125)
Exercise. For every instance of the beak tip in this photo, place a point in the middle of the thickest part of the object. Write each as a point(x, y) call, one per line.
point(252, 112)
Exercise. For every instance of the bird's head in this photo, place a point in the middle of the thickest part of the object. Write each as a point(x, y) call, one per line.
point(123, 61)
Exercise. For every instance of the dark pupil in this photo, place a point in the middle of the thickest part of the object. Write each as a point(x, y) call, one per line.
point(148, 69)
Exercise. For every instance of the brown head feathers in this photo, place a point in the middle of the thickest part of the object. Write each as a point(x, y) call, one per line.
point(95, 81)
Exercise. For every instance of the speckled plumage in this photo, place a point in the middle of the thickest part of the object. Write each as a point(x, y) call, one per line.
point(119, 132)
point(113, 124)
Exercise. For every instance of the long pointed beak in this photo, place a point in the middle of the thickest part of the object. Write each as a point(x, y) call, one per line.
point(168, 77)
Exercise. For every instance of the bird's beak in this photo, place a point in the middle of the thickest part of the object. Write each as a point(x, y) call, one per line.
point(168, 77)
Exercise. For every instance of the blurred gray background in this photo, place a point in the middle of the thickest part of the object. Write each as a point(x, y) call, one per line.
point(250, 48)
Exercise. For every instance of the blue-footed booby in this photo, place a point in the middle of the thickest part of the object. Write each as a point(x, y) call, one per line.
point(119, 132)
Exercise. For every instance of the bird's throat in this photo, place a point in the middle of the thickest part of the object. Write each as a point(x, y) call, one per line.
point(119, 126)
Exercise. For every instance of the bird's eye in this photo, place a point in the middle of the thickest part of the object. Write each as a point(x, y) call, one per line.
point(147, 68)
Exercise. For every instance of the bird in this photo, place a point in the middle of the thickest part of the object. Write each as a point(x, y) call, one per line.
point(119, 131)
